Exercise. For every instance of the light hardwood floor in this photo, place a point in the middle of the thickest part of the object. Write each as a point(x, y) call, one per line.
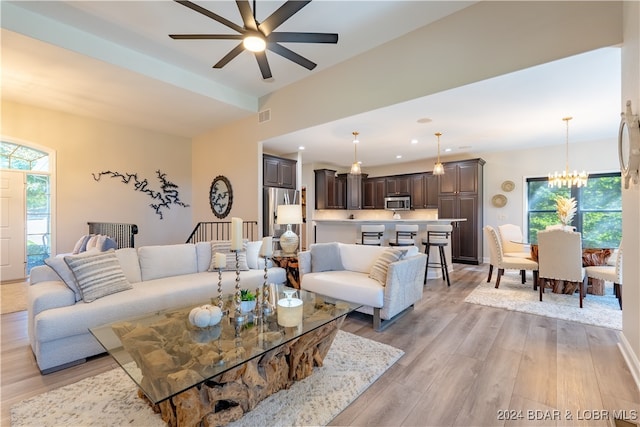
point(464, 365)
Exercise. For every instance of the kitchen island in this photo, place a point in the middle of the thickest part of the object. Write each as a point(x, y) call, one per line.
point(348, 231)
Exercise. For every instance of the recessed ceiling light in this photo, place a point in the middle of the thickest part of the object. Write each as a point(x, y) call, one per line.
point(301, 148)
point(446, 150)
point(414, 141)
point(425, 120)
point(399, 156)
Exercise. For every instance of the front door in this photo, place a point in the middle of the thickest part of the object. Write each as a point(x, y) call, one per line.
point(12, 226)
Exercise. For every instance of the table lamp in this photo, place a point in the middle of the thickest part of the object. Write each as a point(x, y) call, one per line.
point(289, 214)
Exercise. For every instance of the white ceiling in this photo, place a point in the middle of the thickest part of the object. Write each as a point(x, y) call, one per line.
point(114, 60)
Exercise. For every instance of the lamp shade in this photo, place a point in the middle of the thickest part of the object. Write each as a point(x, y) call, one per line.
point(289, 214)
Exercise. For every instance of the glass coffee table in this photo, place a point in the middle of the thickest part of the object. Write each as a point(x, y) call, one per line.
point(227, 368)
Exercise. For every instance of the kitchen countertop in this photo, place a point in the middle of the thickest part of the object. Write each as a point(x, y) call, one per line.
point(387, 220)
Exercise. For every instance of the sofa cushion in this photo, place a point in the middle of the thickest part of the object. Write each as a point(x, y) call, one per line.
point(167, 260)
point(224, 247)
point(98, 275)
point(253, 250)
point(345, 285)
point(381, 265)
point(128, 258)
point(359, 258)
point(66, 275)
point(203, 253)
point(325, 257)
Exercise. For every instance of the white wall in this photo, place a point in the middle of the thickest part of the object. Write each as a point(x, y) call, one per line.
point(85, 146)
point(631, 197)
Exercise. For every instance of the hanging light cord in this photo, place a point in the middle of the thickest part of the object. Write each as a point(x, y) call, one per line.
point(566, 168)
point(438, 134)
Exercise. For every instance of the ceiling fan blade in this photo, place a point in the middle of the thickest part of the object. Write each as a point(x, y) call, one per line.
point(247, 15)
point(229, 56)
point(261, 57)
point(211, 15)
point(206, 36)
point(291, 55)
point(283, 13)
point(302, 37)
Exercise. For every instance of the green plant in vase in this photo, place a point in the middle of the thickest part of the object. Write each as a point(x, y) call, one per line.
point(247, 300)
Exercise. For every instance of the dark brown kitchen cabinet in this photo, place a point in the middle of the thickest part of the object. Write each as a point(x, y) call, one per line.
point(460, 196)
point(354, 190)
point(340, 192)
point(325, 188)
point(278, 172)
point(398, 184)
point(424, 191)
point(374, 190)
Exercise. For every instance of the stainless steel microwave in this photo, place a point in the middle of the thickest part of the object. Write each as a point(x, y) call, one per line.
point(397, 203)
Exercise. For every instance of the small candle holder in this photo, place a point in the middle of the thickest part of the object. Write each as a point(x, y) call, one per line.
point(266, 306)
point(238, 316)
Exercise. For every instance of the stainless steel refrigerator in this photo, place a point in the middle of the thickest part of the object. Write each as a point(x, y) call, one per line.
point(273, 197)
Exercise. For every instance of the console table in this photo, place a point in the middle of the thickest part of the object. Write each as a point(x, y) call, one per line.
point(212, 376)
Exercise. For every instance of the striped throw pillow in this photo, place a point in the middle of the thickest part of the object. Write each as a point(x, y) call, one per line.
point(98, 275)
point(224, 247)
point(381, 265)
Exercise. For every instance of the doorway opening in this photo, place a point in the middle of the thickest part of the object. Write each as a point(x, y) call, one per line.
point(26, 206)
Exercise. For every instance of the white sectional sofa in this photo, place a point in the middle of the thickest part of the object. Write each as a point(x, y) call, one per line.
point(160, 277)
point(386, 282)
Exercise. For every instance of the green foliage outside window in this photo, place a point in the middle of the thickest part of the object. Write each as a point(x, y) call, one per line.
point(599, 216)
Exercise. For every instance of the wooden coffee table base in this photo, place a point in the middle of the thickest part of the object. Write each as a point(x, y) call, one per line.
point(229, 396)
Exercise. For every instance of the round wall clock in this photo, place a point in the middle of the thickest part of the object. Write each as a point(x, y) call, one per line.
point(629, 146)
point(221, 196)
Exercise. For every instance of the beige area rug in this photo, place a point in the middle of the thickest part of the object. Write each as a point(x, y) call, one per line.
point(13, 297)
point(110, 399)
point(513, 295)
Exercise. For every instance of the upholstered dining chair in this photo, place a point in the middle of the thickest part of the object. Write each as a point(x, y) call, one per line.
point(371, 234)
point(612, 272)
point(509, 235)
point(560, 258)
point(502, 262)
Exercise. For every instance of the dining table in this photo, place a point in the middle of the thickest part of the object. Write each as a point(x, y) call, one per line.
point(590, 257)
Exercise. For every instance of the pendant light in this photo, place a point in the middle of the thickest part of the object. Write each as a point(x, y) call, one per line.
point(438, 168)
point(355, 167)
point(566, 178)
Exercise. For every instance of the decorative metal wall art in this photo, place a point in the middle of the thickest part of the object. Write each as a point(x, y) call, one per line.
point(167, 196)
point(221, 196)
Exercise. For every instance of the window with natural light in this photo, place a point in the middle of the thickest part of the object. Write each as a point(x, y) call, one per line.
point(599, 214)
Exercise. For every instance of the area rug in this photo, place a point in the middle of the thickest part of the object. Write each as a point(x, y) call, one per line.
point(13, 297)
point(513, 295)
point(110, 399)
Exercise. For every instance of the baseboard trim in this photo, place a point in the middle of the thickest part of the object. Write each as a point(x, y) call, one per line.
point(632, 360)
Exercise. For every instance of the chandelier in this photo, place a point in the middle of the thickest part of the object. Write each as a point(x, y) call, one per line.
point(566, 178)
point(438, 168)
point(355, 167)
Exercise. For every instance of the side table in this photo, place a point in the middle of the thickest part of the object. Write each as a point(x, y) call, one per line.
point(290, 263)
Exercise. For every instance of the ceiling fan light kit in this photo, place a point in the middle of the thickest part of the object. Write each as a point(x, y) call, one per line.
point(257, 36)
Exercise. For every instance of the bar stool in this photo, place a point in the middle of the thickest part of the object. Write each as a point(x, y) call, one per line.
point(371, 234)
point(404, 235)
point(438, 236)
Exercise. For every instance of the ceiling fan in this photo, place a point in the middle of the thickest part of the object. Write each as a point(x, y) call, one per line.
point(260, 33)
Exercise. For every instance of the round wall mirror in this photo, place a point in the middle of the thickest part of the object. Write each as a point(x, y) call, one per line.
point(221, 196)
point(629, 146)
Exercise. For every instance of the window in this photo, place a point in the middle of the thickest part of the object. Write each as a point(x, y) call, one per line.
point(599, 215)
